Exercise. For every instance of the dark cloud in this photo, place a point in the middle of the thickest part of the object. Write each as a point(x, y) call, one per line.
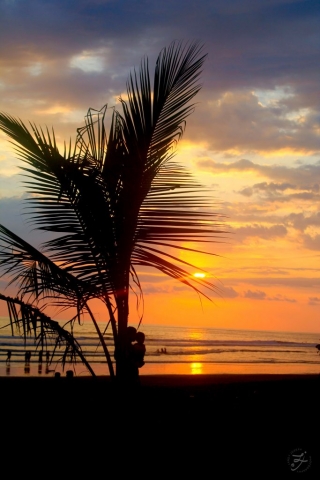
point(247, 191)
point(242, 39)
point(237, 120)
point(300, 221)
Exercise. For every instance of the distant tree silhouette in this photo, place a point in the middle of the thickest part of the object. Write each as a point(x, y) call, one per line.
point(114, 202)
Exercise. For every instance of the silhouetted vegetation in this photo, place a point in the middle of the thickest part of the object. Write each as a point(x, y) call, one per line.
point(113, 202)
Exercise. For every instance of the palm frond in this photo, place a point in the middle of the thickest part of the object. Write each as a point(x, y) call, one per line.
point(152, 124)
point(36, 274)
point(29, 321)
point(65, 195)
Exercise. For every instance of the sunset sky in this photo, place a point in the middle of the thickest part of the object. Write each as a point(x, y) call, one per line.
point(254, 138)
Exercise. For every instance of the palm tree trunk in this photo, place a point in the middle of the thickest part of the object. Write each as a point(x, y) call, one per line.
point(121, 343)
point(122, 301)
point(103, 343)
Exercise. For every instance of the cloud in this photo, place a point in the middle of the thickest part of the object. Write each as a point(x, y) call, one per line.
point(245, 65)
point(257, 295)
point(290, 282)
point(275, 188)
point(282, 298)
point(273, 194)
point(237, 120)
point(275, 231)
point(301, 222)
point(229, 292)
point(177, 288)
point(260, 295)
point(306, 176)
point(289, 185)
point(260, 220)
point(311, 242)
point(314, 301)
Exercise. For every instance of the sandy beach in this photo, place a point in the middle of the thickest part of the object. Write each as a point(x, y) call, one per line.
point(206, 423)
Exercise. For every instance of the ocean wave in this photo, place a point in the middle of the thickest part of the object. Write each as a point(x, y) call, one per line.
point(226, 343)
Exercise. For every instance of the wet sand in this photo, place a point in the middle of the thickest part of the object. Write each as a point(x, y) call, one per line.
point(212, 425)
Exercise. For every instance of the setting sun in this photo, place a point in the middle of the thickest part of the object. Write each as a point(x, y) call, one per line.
point(199, 275)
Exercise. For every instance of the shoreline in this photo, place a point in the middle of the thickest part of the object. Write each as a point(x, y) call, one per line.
point(157, 368)
point(150, 379)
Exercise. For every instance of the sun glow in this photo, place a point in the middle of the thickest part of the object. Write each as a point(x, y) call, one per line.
point(199, 275)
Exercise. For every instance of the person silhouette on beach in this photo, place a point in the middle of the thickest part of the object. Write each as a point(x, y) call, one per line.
point(27, 357)
point(123, 353)
point(8, 357)
point(139, 350)
point(137, 353)
point(40, 356)
point(132, 354)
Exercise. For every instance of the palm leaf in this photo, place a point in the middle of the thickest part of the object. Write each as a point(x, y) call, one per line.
point(36, 274)
point(61, 188)
point(30, 321)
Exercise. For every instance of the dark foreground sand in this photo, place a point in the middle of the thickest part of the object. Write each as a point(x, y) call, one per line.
point(205, 426)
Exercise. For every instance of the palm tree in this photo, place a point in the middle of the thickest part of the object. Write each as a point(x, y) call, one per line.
point(113, 202)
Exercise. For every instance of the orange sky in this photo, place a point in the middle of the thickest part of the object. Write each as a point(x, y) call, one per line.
point(253, 141)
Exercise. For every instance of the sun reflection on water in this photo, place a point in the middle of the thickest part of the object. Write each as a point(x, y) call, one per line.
point(196, 335)
point(196, 368)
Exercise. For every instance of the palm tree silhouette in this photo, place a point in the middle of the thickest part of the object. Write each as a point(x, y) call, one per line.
point(114, 202)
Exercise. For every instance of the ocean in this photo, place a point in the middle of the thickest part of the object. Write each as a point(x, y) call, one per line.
point(177, 350)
